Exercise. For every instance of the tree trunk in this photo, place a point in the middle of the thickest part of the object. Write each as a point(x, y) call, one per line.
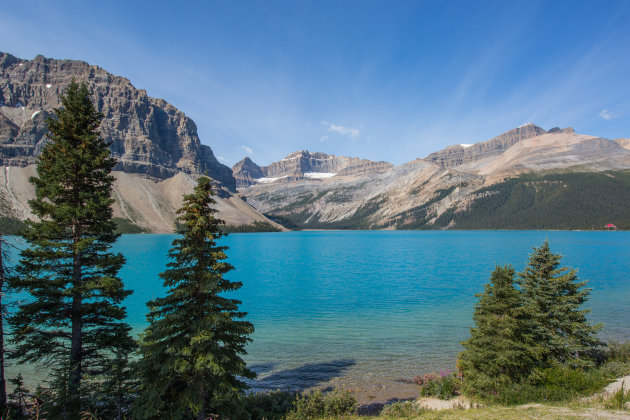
point(76, 351)
point(3, 385)
point(201, 415)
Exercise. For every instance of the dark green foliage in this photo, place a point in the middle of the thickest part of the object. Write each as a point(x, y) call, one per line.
point(559, 383)
point(535, 343)
point(73, 322)
point(319, 404)
point(404, 409)
point(249, 228)
point(119, 387)
point(125, 226)
point(501, 348)
point(553, 297)
point(421, 215)
point(191, 351)
point(444, 387)
point(11, 225)
point(582, 200)
point(19, 399)
point(273, 405)
point(287, 222)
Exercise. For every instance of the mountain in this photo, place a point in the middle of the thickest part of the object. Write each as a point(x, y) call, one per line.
point(464, 153)
point(526, 178)
point(148, 136)
point(303, 165)
point(158, 150)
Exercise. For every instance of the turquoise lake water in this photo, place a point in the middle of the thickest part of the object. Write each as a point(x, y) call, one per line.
point(348, 307)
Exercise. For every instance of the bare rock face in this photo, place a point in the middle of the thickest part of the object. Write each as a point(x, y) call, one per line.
point(246, 172)
point(457, 155)
point(303, 164)
point(148, 136)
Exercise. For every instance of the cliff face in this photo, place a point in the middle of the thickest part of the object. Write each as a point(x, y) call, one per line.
point(148, 136)
point(246, 172)
point(301, 165)
point(461, 154)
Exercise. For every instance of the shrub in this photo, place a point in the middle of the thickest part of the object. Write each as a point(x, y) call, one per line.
point(445, 386)
point(615, 369)
point(319, 404)
point(273, 405)
point(402, 409)
point(559, 383)
point(619, 352)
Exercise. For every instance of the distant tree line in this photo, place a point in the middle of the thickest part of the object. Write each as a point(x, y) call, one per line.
point(579, 200)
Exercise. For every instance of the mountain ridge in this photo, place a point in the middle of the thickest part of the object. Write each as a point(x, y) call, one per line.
point(159, 153)
point(148, 135)
point(301, 165)
point(434, 193)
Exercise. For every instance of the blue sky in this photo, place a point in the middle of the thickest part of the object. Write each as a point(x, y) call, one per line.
point(382, 80)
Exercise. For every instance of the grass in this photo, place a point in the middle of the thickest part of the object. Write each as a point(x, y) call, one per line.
point(500, 413)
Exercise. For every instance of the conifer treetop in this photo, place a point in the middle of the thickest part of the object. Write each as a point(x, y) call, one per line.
point(191, 350)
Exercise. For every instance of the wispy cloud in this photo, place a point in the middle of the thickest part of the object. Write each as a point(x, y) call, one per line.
point(353, 133)
point(221, 158)
point(247, 150)
point(605, 114)
point(323, 138)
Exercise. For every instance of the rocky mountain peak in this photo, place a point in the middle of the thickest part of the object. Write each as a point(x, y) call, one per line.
point(148, 136)
point(303, 164)
point(246, 172)
point(464, 153)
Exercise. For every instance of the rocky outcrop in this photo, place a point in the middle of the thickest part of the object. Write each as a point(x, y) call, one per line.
point(148, 136)
point(301, 165)
point(463, 153)
point(246, 172)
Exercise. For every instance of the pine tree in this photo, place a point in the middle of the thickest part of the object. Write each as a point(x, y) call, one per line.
point(191, 351)
point(554, 298)
point(19, 398)
point(500, 349)
point(74, 320)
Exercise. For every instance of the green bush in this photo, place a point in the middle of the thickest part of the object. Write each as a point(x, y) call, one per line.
point(444, 387)
point(619, 352)
point(319, 404)
point(559, 383)
point(402, 409)
point(615, 369)
point(273, 405)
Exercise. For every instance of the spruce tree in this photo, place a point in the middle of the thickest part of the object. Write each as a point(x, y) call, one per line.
point(74, 320)
point(191, 351)
point(19, 398)
point(500, 349)
point(554, 298)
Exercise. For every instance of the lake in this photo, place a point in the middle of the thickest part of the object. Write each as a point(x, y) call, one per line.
point(362, 308)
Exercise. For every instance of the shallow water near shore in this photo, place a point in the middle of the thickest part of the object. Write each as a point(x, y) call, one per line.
point(365, 309)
